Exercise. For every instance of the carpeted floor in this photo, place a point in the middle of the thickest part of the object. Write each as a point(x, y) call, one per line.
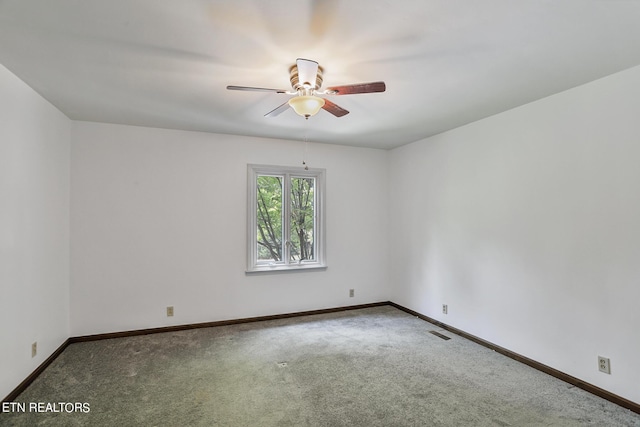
point(368, 367)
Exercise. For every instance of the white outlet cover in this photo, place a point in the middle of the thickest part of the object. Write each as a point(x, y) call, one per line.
point(604, 365)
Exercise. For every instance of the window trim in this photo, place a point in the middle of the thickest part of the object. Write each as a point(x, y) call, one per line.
point(253, 171)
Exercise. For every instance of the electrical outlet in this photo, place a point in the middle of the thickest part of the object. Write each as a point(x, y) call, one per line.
point(352, 293)
point(170, 311)
point(604, 365)
point(445, 309)
point(34, 349)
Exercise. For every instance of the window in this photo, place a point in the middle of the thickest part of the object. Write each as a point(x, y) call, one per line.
point(285, 218)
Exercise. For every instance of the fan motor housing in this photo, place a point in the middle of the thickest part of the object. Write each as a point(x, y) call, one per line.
point(295, 80)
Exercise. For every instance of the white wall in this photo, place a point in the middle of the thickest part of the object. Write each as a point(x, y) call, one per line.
point(34, 229)
point(158, 218)
point(527, 224)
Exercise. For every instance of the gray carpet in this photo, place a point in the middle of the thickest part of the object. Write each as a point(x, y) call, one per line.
point(367, 367)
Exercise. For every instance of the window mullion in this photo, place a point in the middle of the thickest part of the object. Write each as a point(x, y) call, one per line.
point(286, 215)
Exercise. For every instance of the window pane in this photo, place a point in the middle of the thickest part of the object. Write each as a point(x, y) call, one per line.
point(302, 218)
point(269, 218)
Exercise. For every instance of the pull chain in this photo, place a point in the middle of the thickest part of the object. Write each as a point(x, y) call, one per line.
point(306, 152)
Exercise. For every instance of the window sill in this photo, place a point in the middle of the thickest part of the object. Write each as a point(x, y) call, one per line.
point(286, 269)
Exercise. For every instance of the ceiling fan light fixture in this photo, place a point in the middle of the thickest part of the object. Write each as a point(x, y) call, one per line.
point(302, 77)
point(306, 106)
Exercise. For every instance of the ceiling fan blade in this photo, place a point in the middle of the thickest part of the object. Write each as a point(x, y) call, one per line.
point(356, 88)
point(334, 109)
point(307, 71)
point(256, 89)
point(281, 109)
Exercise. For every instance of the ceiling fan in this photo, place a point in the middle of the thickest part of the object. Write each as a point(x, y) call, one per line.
point(306, 80)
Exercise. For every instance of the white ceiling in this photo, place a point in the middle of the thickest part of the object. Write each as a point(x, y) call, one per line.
point(166, 63)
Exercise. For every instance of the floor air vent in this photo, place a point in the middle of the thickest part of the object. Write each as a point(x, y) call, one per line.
point(438, 334)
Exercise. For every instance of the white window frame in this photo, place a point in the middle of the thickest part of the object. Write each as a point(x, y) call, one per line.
point(255, 266)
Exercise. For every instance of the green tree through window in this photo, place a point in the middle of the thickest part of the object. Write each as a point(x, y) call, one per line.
point(302, 224)
point(269, 218)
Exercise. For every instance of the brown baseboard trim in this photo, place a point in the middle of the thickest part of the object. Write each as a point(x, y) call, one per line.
point(27, 381)
point(614, 398)
point(220, 323)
